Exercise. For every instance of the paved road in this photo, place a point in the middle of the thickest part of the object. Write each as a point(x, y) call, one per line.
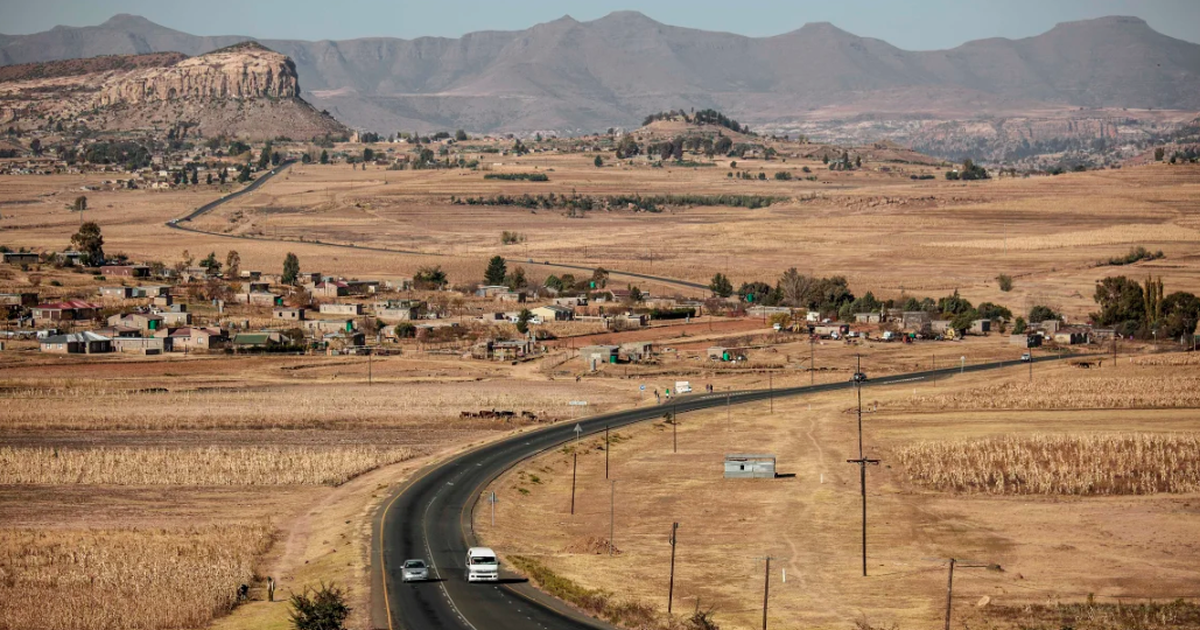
point(430, 518)
point(182, 224)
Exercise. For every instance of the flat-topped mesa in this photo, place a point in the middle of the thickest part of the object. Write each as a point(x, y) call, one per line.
point(244, 71)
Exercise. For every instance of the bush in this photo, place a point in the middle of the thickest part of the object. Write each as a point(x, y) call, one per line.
point(1006, 282)
point(783, 175)
point(323, 608)
point(528, 177)
point(1135, 254)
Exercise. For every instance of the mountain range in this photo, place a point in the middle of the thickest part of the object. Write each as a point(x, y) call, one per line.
point(572, 76)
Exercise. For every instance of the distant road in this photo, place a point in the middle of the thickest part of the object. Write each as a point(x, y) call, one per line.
point(430, 517)
point(179, 224)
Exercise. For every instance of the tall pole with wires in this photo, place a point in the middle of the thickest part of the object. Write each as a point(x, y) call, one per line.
point(862, 462)
point(671, 583)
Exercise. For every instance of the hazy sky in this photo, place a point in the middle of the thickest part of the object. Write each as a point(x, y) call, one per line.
point(909, 24)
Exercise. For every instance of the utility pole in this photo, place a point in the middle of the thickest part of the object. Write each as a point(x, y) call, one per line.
point(607, 445)
point(612, 513)
point(812, 360)
point(766, 591)
point(728, 409)
point(574, 470)
point(674, 431)
point(949, 592)
point(950, 584)
point(862, 462)
point(771, 389)
point(370, 379)
point(671, 583)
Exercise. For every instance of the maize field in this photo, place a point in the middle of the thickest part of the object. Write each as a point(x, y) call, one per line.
point(1142, 392)
point(124, 579)
point(1119, 464)
point(195, 466)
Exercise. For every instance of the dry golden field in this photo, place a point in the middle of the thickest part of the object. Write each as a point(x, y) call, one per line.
point(1052, 546)
point(883, 231)
point(235, 468)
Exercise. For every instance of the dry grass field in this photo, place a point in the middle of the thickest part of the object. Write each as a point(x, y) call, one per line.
point(881, 230)
point(186, 476)
point(1116, 514)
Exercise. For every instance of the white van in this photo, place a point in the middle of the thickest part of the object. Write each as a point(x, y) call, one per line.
point(683, 387)
point(482, 565)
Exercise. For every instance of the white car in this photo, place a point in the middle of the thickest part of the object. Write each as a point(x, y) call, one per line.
point(414, 570)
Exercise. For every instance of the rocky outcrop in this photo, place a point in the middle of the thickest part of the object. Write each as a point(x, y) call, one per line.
point(244, 71)
point(244, 90)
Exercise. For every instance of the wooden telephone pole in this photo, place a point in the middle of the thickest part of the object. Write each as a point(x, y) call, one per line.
point(671, 583)
point(862, 462)
point(950, 584)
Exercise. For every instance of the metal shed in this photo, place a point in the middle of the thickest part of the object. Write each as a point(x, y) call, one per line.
point(749, 466)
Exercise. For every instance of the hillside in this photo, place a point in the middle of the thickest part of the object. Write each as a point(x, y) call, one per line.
point(574, 76)
point(244, 90)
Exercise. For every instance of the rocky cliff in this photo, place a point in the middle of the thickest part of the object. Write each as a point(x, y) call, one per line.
point(243, 71)
point(244, 90)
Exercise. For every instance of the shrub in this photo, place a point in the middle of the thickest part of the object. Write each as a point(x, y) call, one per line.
point(1135, 254)
point(528, 177)
point(1006, 282)
point(323, 608)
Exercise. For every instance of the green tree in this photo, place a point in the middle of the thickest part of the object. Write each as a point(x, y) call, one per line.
point(1041, 313)
point(496, 271)
point(721, 286)
point(599, 161)
point(460, 136)
point(322, 608)
point(523, 321)
point(962, 321)
point(291, 269)
point(36, 147)
point(1019, 326)
point(516, 279)
point(264, 158)
point(90, 242)
point(1181, 312)
point(208, 179)
point(195, 177)
point(954, 304)
point(368, 154)
point(222, 175)
point(1122, 304)
point(1159, 154)
point(430, 278)
point(211, 263)
point(80, 204)
point(244, 174)
point(324, 156)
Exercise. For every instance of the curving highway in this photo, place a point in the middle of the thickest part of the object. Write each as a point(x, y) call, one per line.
point(430, 517)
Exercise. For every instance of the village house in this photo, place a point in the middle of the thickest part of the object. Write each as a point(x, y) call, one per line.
point(70, 310)
point(595, 356)
point(330, 289)
point(190, 338)
point(980, 327)
point(491, 291)
point(142, 345)
point(176, 315)
point(554, 313)
point(915, 320)
point(352, 310)
point(326, 326)
point(257, 340)
point(636, 351)
point(628, 320)
point(399, 310)
point(517, 297)
point(868, 318)
point(117, 293)
point(113, 332)
point(20, 258)
point(572, 301)
point(502, 350)
point(145, 322)
point(77, 343)
point(1071, 336)
point(125, 271)
point(288, 314)
point(18, 300)
point(258, 298)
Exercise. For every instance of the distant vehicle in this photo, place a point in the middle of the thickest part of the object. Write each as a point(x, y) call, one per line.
point(889, 335)
point(1026, 358)
point(683, 387)
point(859, 377)
point(777, 326)
point(414, 570)
point(482, 565)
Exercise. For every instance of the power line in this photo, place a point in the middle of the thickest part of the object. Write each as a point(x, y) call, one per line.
point(862, 462)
